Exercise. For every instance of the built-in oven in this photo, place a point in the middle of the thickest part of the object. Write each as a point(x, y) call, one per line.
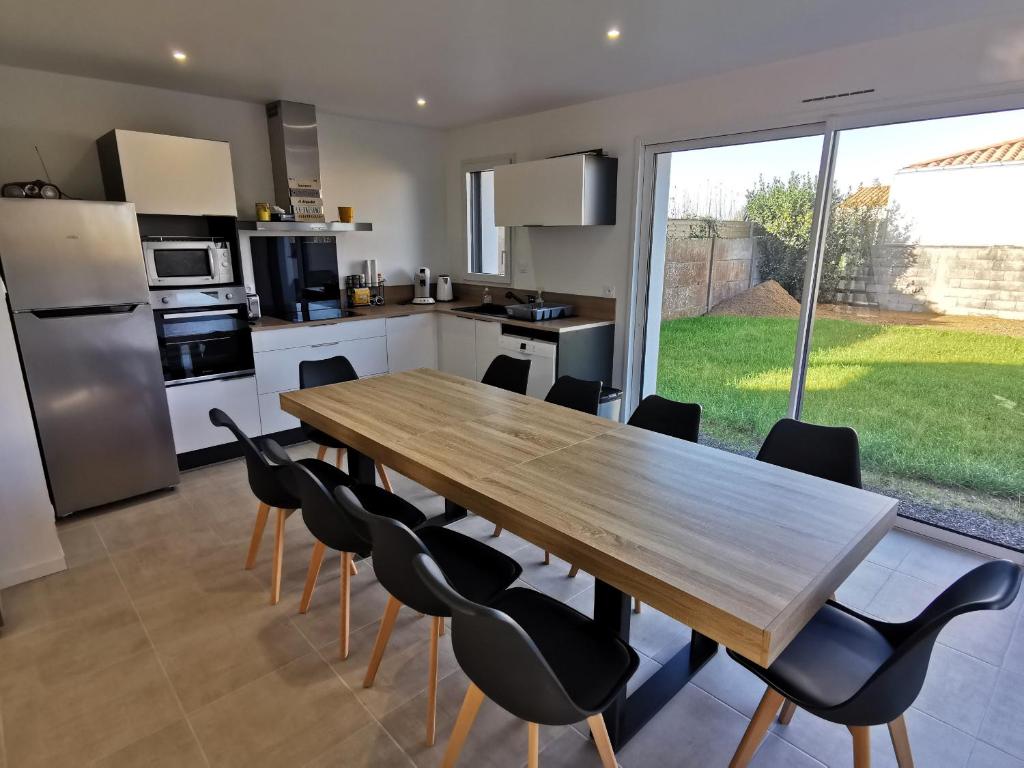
point(203, 334)
point(187, 261)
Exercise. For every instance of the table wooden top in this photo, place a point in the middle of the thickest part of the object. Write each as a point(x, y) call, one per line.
point(742, 551)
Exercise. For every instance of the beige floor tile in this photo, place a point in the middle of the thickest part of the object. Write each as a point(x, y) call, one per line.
point(497, 739)
point(403, 670)
point(216, 660)
point(321, 624)
point(61, 596)
point(55, 655)
point(170, 747)
point(94, 716)
point(287, 718)
point(81, 543)
point(149, 519)
point(369, 747)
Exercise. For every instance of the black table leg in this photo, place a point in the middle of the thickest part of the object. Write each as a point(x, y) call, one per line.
point(628, 714)
point(361, 468)
point(453, 512)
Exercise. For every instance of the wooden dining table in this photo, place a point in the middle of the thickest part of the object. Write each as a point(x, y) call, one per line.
point(742, 552)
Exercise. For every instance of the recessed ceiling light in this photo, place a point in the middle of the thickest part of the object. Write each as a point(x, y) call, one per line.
point(421, 102)
point(614, 33)
point(179, 55)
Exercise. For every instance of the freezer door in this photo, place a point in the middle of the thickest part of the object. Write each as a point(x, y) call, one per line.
point(97, 393)
point(71, 253)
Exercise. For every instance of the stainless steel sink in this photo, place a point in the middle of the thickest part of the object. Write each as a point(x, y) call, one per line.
point(484, 309)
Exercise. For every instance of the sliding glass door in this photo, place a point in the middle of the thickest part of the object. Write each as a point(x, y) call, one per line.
point(872, 278)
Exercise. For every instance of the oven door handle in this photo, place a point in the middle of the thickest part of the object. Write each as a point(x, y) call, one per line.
point(210, 313)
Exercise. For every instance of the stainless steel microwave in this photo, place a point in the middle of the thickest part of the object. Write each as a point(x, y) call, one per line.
point(172, 263)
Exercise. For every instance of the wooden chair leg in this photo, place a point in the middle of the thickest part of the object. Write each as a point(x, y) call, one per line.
point(573, 571)
point(315, 562)
point(440, 628)
point(467, 714)
point(354, 569)
point(533, 754)
point(337, 457)
point(754, 735)
point(321, 451)
point(861, 746)
point(901, 742)
point(257, 535)
point(547, 557)
point(384, 479)
point(788, 710)
point(387, 623)
point(275, 577)
point(497, 531)
point(601, 740)
point(636, 605)
point(435, 632)
point(346, 588)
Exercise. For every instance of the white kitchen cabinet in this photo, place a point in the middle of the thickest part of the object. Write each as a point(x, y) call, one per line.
point(309, 335)
point(488, 332)
point(456, 351)
point(575, 190)
point(171, 175)
point(190, 406)
point(278, 370)
point(272, 418)
point(412, 342)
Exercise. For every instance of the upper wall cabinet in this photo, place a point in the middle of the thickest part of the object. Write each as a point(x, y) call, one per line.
point(170, 175)
point(575, 190)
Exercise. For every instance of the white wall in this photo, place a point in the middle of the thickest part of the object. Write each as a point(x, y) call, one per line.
point(962, 205)
point(392, 174)
point(952, 62)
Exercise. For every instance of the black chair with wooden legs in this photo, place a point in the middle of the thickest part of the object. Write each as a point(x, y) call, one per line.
point(475, 569)
point(857, 671)
point(535, 657)
point(578, 394)
point(269, 485)
point(667, 417)
point(508, 373)
point(318, 373)
point(333, 528)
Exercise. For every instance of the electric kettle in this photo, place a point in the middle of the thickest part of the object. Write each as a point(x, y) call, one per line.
point(444, 288)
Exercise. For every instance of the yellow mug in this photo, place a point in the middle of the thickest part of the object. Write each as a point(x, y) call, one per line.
point(346, 214)
point(262, 211)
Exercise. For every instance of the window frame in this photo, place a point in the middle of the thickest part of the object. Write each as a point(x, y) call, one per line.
point(466, 256)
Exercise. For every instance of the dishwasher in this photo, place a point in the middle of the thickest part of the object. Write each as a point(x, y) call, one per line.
point(541, 355)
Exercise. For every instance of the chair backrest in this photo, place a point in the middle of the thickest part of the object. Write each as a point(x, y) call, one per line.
point(991, 586)
point(659, 414)
point(508, 373)
point(500, 658)
point(831, 453)
point(320, 512)
point(394, 545)
point(578, 394)
point(266, 480)
point(317, 373)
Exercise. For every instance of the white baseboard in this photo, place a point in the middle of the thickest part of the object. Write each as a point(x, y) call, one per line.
point(35, 571)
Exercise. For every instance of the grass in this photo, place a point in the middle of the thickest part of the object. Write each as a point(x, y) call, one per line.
point(942, 406)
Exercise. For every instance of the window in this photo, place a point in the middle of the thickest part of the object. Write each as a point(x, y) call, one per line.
point(487, 245)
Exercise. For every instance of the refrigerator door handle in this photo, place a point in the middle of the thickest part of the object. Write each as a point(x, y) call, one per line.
point(110, 309)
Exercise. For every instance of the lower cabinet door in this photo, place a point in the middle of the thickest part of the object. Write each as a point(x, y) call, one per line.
point(190, 406)
point(272, 417)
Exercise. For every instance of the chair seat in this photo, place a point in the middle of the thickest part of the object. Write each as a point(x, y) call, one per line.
point(592, 664)
point(380, 502)
point(314, 435)
point(828, 662)
point(479, 572)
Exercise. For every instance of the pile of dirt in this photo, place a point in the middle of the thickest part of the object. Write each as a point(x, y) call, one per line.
point(768, 299)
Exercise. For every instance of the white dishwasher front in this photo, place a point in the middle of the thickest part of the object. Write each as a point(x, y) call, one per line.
point(541, 355)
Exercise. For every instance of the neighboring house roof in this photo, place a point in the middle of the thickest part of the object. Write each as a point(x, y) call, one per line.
point(1008, 151)
point(875, 196)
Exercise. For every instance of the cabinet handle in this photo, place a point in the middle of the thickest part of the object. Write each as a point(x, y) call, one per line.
point(326, 344)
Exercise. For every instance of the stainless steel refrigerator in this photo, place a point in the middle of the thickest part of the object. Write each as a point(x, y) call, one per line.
point(77, 289)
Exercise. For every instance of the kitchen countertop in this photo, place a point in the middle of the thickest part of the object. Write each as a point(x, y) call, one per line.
point(562, 325)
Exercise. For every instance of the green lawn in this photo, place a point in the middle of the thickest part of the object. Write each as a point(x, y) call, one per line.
point(942, 406)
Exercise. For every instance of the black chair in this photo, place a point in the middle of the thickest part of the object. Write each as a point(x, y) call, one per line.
point(857, 671)
point(831, 453)
point(319, 373)
point(508, 373)
point(476, 570)
point(332, 527)
point(539, 659)
point(667, 417)
point(269, 484)
point(578, 394)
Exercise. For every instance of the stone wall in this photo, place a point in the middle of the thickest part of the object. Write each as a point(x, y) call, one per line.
point(955, 280)
point(700, 272)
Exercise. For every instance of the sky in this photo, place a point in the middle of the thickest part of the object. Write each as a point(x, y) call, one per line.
point(713, 181)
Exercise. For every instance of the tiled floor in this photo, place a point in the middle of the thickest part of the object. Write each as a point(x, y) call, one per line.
point(155, 648)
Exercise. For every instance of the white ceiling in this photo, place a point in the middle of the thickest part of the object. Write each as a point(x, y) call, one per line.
point(472, 59)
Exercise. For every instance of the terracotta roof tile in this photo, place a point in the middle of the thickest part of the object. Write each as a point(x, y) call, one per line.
point(1003, 152)
point(875, 196)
